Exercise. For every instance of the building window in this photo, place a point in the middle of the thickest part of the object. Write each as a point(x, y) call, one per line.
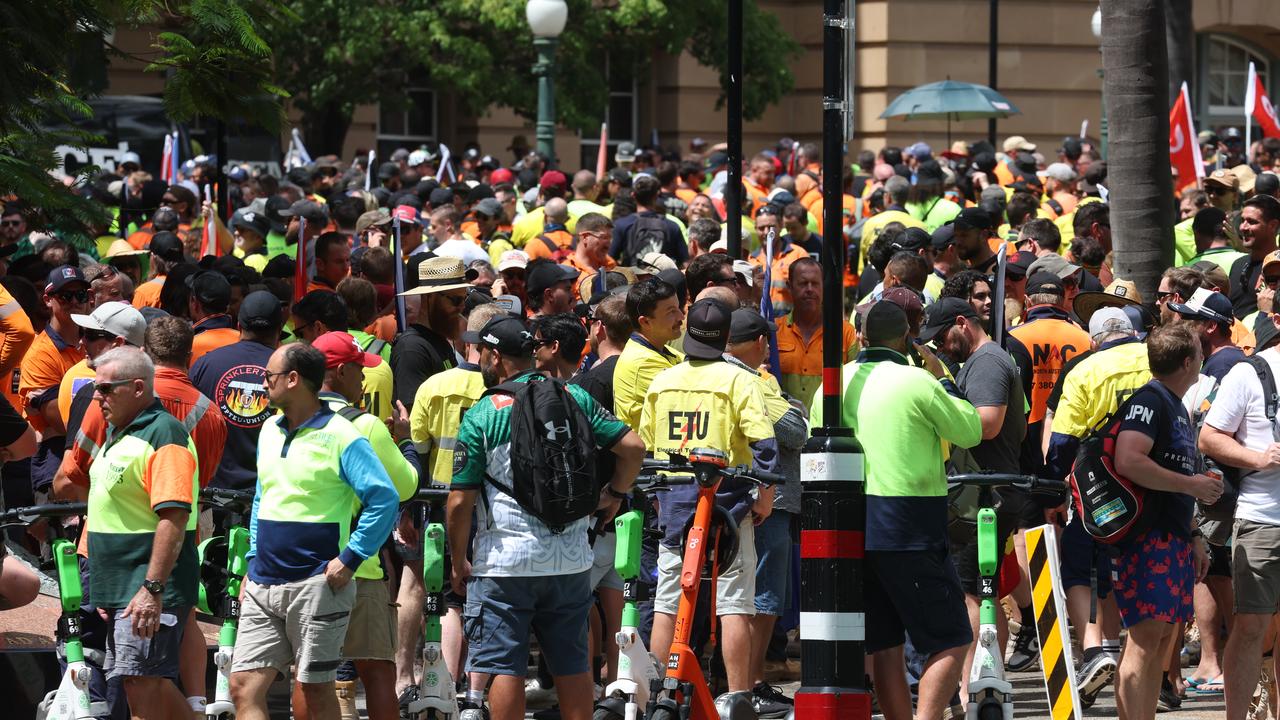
point(407, 125)
point(621, 114)
point(1226, 74)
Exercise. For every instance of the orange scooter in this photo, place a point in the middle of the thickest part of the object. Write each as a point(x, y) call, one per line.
point(684, 694)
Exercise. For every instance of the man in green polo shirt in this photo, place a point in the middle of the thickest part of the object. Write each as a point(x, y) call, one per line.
point(900, 415)
point(142, 551)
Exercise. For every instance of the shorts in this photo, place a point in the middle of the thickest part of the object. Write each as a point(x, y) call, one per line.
point(1255, 567)
point(1219, 561)
point(129, 655)
point(502, 611)
point(371, 633)
point(1155, 578)
point(1082, 559)
point(603, 574)
point(302, 622)
point(773, 564)
point(735, 589)
point(914, 592)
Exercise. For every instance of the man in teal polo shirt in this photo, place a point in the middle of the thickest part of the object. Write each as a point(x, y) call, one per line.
point(313, 467)
point(900, 415)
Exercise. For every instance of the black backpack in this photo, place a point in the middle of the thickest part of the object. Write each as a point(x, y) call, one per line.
point(1111, 507)
point(649, 234)
point(552, 455)
point(558, 254)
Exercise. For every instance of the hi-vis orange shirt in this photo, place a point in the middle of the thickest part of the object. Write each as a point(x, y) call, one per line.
point(1052, 340)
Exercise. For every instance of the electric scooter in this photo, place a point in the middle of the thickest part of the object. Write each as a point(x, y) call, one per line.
point(222, 570)
point(990, 694)
point(637, 669)
point(437, 695)
point(684, 694)
point(71, 700)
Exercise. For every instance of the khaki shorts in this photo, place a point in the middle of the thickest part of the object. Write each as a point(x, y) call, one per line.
point(736, 588)
point(302, 623)
point(371, 634)
point(1255, 567)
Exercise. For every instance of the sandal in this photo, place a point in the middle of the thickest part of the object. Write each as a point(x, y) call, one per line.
point(1209, 687)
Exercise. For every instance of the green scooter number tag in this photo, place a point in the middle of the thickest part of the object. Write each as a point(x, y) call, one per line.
point(64, 554)
point(626, 556)
point(988, 553)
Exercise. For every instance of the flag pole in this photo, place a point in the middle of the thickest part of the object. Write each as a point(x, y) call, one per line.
point(602, 157)
point(368, 173)
point(300, 270)
point(1250, 97)
point(402, 322)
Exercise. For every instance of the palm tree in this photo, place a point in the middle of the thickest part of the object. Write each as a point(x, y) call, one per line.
point(1137, 98)
point(1180, 37)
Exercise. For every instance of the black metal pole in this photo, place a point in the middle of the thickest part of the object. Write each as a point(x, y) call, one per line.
point(833, 503)
point(993, 35)
point(733, 188)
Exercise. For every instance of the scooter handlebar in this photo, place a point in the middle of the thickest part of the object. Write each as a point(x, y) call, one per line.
point(1030, 483)
point(241, 500)
point(432, 493)
point(31, 513)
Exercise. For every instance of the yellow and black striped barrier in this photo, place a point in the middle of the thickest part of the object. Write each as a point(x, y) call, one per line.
point(1048, 600)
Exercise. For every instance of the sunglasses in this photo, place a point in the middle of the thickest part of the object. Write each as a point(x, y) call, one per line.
point(1215, 190)
point(96, 335)
point(109, 386)
point(78, 296)
point(1272, 282)
point(1164, 295)
point(10, 223)
point(457, 300)
point(168, 199)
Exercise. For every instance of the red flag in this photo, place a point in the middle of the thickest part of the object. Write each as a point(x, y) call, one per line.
point(1258, 105)
point(166, 161)
point(1184, 148)
point(300, 269)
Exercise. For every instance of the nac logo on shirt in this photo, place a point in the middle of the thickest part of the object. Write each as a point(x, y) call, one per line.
point(241, 395)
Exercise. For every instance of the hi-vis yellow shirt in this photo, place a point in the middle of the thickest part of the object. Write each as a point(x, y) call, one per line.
point(437, 412)
point(1095, 387)
point(705, 404)
point(638, 364)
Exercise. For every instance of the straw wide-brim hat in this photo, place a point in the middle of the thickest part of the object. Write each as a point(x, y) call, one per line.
point(438, 274)
point(122, 248)
point(1118, 294)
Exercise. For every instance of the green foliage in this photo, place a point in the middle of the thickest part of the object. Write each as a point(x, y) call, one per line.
point(346, 53)
point(218, 65)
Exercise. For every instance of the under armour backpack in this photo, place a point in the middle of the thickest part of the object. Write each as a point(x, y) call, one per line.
point(552, 453)
point(1111, 507)
point(649, 234)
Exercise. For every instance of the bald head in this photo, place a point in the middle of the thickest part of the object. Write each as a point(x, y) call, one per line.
point(723, 294)
point(583, 180)
point(557, 211)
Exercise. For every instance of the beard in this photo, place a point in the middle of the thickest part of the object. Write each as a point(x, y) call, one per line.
point(489, 376)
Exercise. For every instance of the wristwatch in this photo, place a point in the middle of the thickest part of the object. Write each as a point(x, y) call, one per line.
point(155, 587)
point(614, 493)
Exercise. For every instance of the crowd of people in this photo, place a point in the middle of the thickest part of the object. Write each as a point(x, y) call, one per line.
point(167, 350)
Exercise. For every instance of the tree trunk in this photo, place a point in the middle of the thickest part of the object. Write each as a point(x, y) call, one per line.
point(1180, 36)
point(1136, 86)
point(325, 130)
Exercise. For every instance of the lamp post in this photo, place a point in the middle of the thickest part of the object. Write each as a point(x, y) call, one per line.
point(547, 19)
point(1095, 24)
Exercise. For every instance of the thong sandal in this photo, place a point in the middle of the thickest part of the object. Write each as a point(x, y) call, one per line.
point(1209, 687)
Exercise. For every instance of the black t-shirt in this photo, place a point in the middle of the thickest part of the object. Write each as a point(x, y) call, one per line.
point(12, 426)
point(598, 382)
point(1090, 282)
point(417, 354)
point(1157, 413)
point(1217, 364)
point(1244, 284)
point(235, 379)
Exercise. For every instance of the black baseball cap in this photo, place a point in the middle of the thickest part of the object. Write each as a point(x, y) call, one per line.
point(310, 211)
point(973, 218)
point(1045, 282)
point(440, 197)
point(747, 324)
point(273, 208)
point(211, 288)
point(942, 314)
point(248, 219)
point(913, 240)
point(543, 275)
point(1205, 304)
point(943, 237)
point(388, 170)
point(166, 246)
point(715, 160)
point(709, 323)
point(1019, 263)
point(505, 333)
point(260, 310)
point(884, 321)
point(62, 276)
point(676, 279)
point(1264, 332)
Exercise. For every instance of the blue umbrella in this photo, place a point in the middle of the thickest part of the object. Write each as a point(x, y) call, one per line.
point(950, 100)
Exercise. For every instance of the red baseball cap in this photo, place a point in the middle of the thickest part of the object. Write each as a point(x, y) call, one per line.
point(554, 178)
point(406, 213)
point(340, 348)
point(500, 176)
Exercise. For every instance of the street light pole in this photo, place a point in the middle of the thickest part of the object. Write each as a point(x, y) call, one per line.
point(1095, 25)
point(546, 126)
point(547, 19)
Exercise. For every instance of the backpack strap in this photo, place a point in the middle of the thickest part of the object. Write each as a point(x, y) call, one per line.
point(375, 346)
point(350, 413)
point(1054, 205)
point(551, 244)
point(1270, 398)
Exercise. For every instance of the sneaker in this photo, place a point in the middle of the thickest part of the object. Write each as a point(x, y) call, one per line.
point(537, 695)
point(472, 711)
point(1168, 700)
point(1026, 650)
point(1094, 676)
point(769, 702)
point(551, 713)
